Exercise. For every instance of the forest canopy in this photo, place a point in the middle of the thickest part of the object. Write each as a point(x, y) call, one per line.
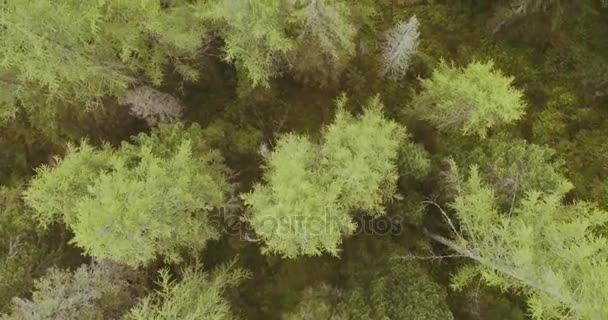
point(303, 159)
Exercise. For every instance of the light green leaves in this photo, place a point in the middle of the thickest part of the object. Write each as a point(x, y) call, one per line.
point(472, 99)
point(147, 198)
point(303, 207)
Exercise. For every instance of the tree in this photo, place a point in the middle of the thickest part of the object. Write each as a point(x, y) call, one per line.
point(25, 251)
point(196, 296)
point(94, 50)
point(254, 34)
point(325, 40)
point(400, 43)
point(152, 105)
point(128, 205)
point(303, 207)
point(473, 99)
point(549, 251)
point(399, 291)
point(514, 167)
point(93, 292)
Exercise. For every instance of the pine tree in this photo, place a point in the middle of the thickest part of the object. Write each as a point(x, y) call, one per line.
point(128, 205)
point(472, 99)
point(74, 53)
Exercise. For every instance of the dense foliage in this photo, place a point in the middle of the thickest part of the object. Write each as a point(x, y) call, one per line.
point(464, 178)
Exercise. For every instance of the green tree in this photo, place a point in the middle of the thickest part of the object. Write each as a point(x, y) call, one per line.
point(148, 197)
point(196, 296)
point(69, 52)
point(549, 251)
point(472, 99)
point(254, 34)
point(400, 291)
point(92, 292)
point(514, 167)
point(325, 40)
point(25, 251)
point(303, 207)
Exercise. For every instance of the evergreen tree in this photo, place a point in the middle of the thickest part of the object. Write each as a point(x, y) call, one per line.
point(254, 34)
point(303, 207)
point(77, 53)
point(398, 291)
point(472, 99)
point(325, 40)
point(196, 296)
point(547, 250)
point(129, 205)
point(514, 167)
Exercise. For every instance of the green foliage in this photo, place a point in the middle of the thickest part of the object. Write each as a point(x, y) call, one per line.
point(21, 246)
point(402, 290)
point(310, 189)
point(92, 292)
point(325, 42)
point(514, 167)
point(196, 296)
point(124, 205)
point(254, 34)
point(546, 249)
point(472, 99)
point(94, 50)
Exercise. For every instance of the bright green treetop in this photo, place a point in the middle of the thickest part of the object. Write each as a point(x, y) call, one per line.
point(146, 198)
point(303, 206)
point(79, 52)
point(548, 250)
point(472, 99)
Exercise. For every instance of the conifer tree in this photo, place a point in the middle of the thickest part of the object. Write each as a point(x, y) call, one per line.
point(254, 34)
point(148, 197)
point(472, 99)
point(309, 189)
point(550, 251)
point(77, 53)
point(196, 296)
point(325, 40)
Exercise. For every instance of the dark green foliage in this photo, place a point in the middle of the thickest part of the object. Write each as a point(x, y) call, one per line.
point(401, 290)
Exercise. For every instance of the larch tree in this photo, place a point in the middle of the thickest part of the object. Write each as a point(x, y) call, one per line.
point(399, 45)
point(325, 40)
point(397, 291)
point(303, 207)
point(473, 99)
point(254, 34)
point(513, 167)
point(553, 253)
point(197, 295)
point(78, 53)
point(150, 197)
point(98, 291)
